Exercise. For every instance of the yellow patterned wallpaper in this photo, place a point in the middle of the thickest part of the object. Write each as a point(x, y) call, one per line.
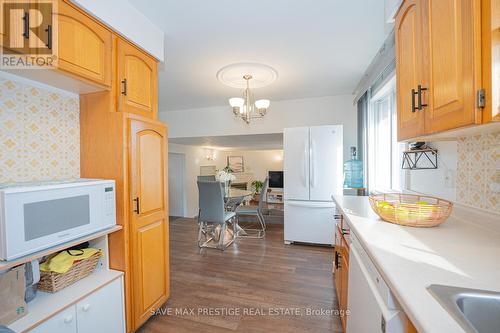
point(39, 133)
point(478, 166)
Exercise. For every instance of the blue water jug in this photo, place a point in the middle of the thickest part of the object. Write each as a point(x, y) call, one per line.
point(353, 171)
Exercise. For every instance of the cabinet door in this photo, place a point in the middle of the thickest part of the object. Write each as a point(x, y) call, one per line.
point(408, 50)
point(102, 311)
point(16, 39)
point(344, 288)
point(149, 217)
point(63, 322)
point(84, 46)
point(137, 79)
point(451, 63)
point(337, 267)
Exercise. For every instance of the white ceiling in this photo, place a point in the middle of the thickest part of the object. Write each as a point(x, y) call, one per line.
point(235, 142)
point(319, 47)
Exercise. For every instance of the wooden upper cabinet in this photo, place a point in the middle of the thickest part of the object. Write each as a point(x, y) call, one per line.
point(438, 65)
point(15, 46)
point(408, 73)
point(149, 218)
point(490, 18)
point(84, 46)
point(137, 80)
point(452, 63)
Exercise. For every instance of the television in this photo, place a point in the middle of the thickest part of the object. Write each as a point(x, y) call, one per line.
point(275, 179)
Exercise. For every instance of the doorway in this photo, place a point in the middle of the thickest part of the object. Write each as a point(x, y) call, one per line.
point(176, 182)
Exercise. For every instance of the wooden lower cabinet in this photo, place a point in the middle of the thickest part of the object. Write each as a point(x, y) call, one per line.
point(132, 150)
point(341, 269)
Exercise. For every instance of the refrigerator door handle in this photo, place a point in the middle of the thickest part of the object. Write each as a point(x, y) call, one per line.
point(304, 166)
point(312, 163)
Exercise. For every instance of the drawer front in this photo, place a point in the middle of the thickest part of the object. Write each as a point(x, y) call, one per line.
point(63, 322)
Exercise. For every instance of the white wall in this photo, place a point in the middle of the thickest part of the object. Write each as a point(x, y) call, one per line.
point(193, 158)
point(440, 182)
point(130, 22)
point(258, 162)
point(215, 121)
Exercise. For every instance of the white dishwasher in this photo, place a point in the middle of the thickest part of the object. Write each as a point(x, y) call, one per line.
point(372, 305)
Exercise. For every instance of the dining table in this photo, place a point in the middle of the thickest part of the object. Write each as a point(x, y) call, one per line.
point(235, 197)
point(236, 193)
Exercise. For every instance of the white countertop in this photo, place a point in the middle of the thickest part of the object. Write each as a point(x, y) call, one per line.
point(464, 251)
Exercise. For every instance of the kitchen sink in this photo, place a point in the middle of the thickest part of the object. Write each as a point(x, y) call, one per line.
point(477, 311)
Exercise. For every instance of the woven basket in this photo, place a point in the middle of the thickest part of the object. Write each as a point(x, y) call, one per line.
point(411, 210)
point(52, 282)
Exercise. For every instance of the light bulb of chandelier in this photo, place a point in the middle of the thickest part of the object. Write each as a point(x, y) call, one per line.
point(237, 104)
point(262, 104)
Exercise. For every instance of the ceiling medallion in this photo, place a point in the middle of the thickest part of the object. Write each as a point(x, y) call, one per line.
point(240, 76)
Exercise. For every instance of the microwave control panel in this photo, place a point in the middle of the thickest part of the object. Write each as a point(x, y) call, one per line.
point(109, 201)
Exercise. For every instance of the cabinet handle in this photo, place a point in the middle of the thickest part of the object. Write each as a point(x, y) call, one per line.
point(26, 25)
point(124, 91)
point(413, 107)
point(68, 319)
point(419, 92)
point(86, 307)
point(345, 231)
point(137, 205)
point(49, 37)
point(337, 260)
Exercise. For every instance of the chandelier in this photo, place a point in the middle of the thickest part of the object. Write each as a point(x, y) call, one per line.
point(245, 108)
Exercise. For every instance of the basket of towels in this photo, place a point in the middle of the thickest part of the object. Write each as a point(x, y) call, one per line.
point(66, 267)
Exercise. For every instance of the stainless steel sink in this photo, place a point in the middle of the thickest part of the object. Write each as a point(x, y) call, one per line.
point(477, 311)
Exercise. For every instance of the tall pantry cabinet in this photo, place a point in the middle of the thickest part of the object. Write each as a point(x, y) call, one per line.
point(129, 145)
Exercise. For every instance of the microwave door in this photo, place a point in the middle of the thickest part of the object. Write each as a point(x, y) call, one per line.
point(40, 219)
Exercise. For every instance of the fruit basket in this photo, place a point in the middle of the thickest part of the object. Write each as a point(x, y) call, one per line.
point(411, 210)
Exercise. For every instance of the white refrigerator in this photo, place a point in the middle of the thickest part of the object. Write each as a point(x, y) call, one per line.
point(313, 160)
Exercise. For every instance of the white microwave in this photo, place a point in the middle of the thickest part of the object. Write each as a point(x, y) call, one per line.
point(36, 216)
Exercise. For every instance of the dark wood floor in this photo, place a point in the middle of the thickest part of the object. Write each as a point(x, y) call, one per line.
point(255, 285)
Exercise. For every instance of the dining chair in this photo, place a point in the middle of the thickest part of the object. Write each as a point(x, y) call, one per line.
point(206, 178)
point(255, 211)
point(213, 219)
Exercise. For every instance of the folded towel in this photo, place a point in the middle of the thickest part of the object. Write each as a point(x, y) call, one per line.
point(62, 261)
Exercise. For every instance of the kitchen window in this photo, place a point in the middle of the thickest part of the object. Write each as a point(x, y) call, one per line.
point(384, 151)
